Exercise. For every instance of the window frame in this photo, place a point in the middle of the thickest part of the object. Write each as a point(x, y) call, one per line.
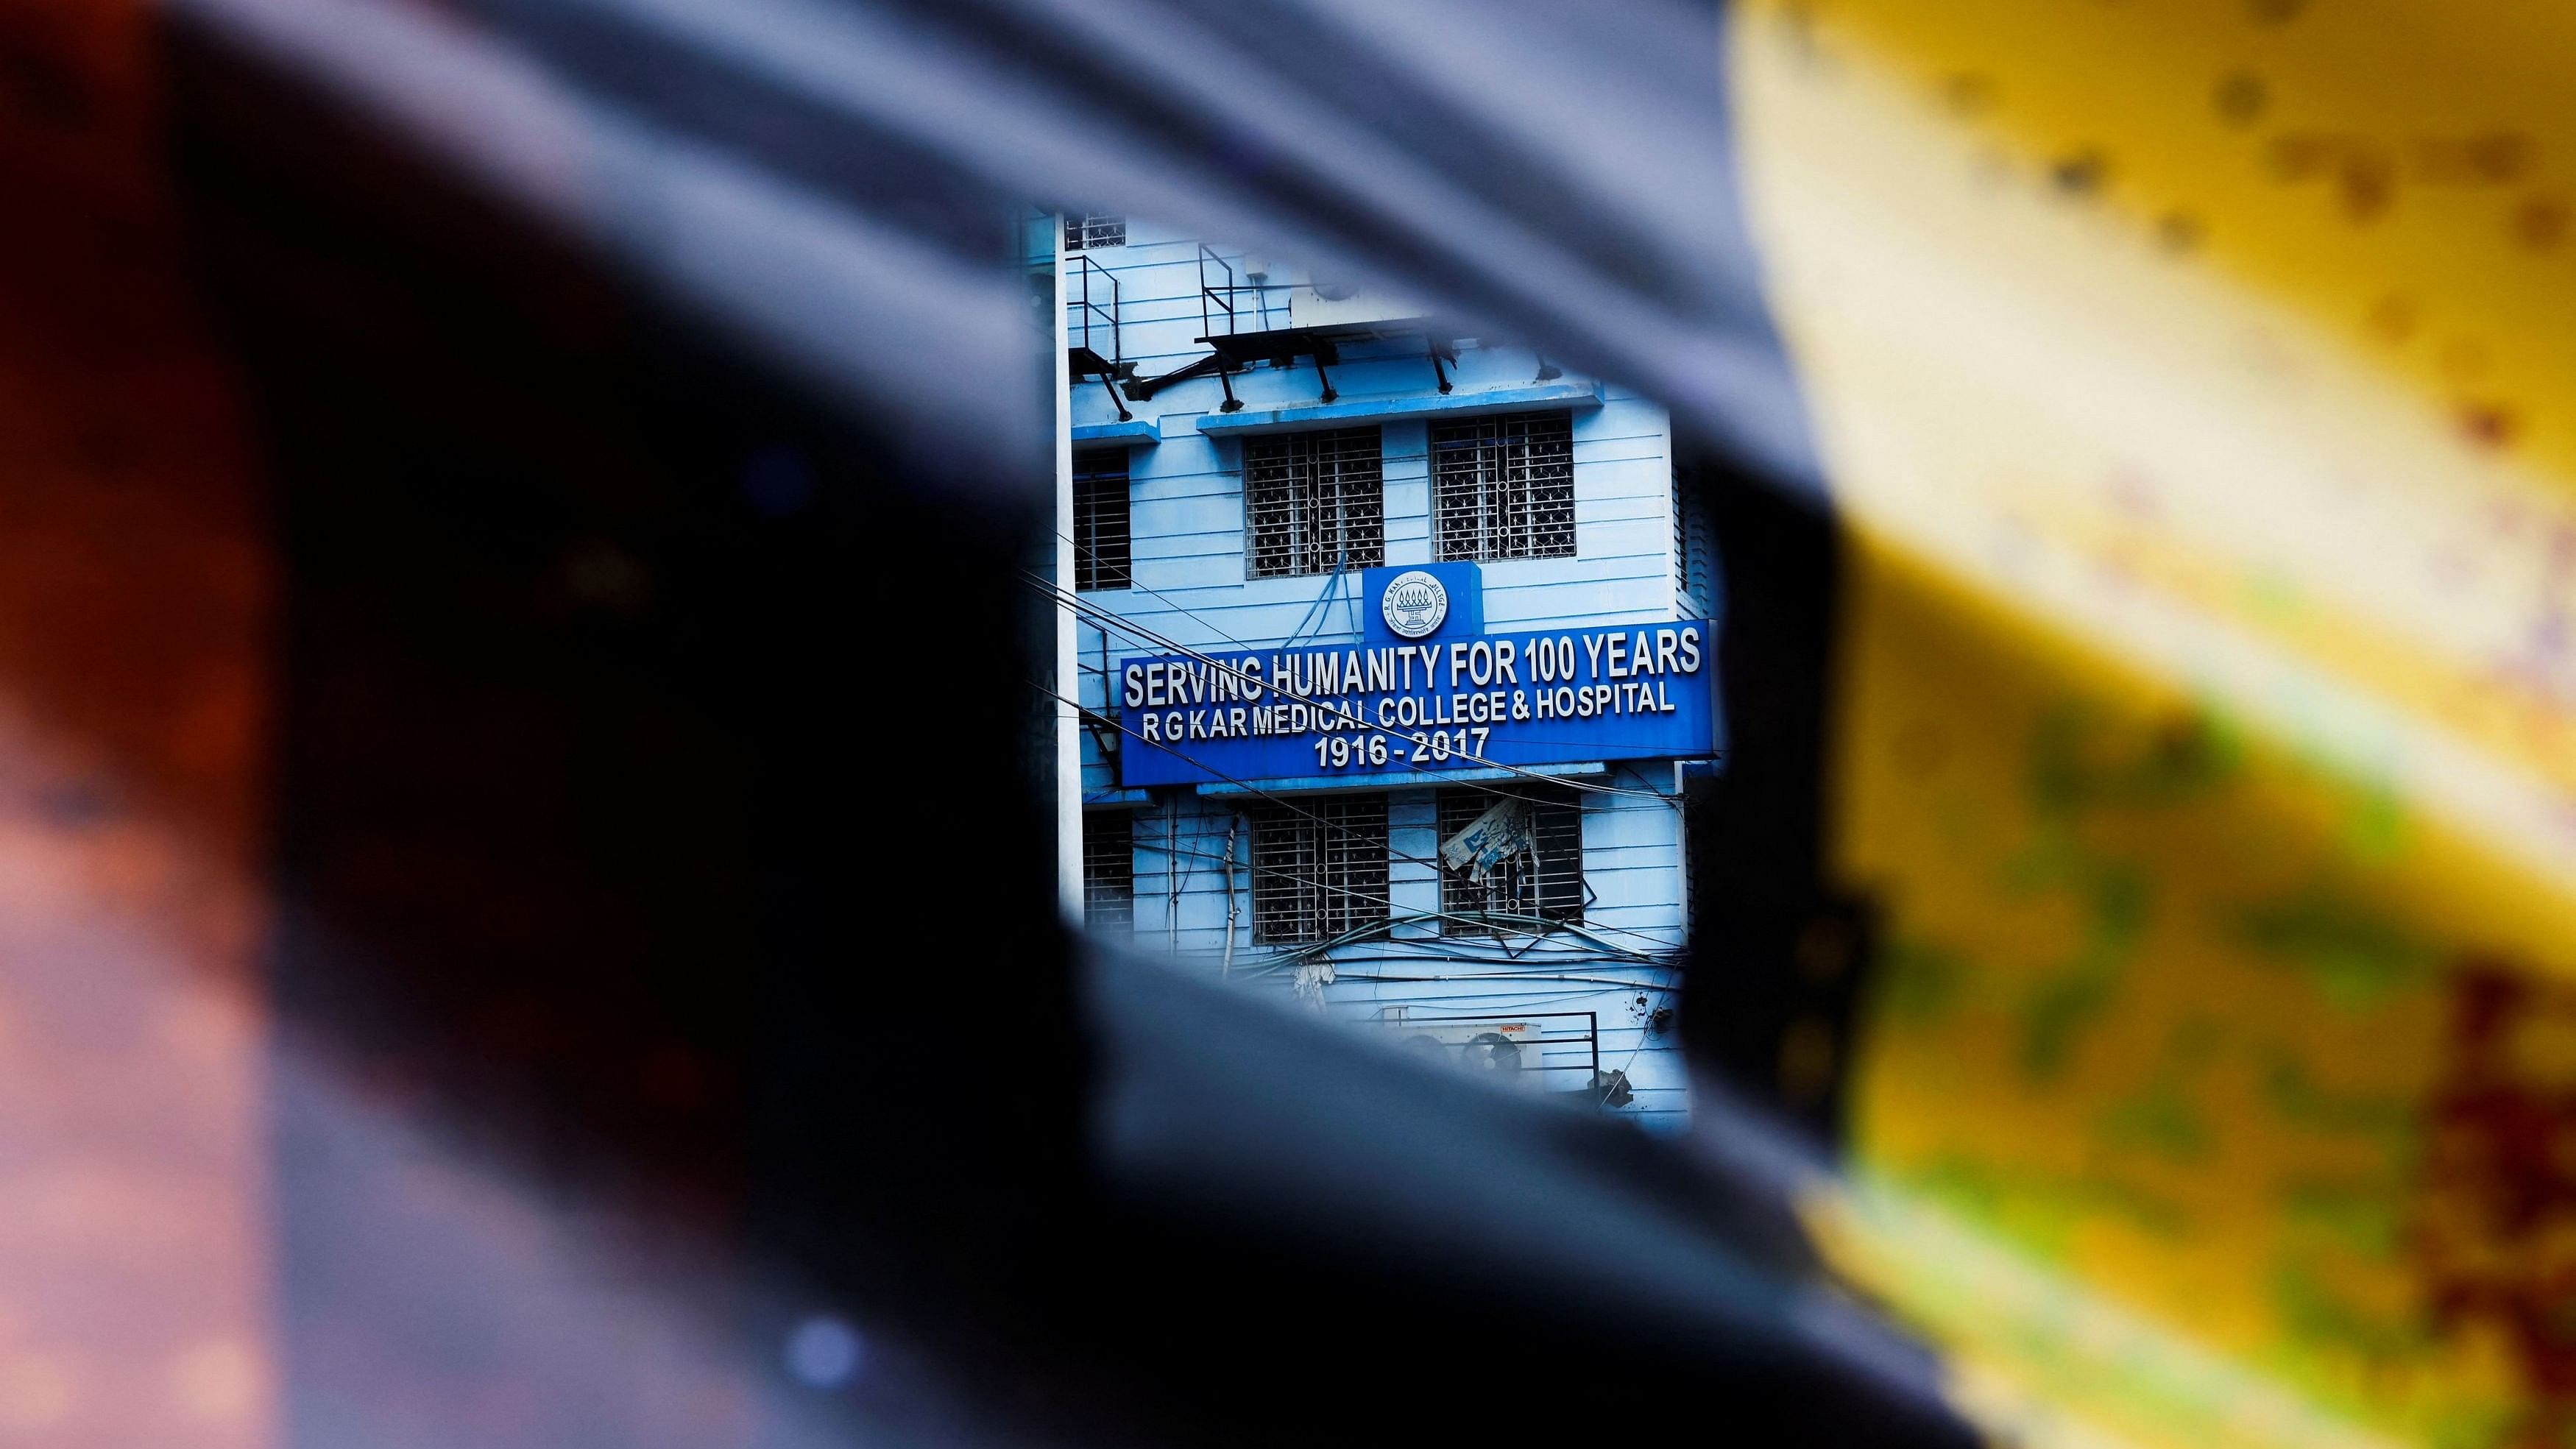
point(1108, 839)
point(1551, 887)
point(1311, 875)
point(1093, 570)
point(1093, 231)
point(1293, 482)
point(1494, 496)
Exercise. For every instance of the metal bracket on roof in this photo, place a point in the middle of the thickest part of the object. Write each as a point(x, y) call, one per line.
point(1142, 389)
point(1082, 362)
point(1282, 347)
point(1440, 348)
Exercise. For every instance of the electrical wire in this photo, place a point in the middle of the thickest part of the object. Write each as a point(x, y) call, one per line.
point(1481, 1003)
point(1656, 940)
point(1139, 632)
point(1281, 873)
point(1290, 805)
point(1583, 929)
point(1065, 598)
point(1127, 626)
point(1614, 982)
point(1320, 610)
point(1483, 919)
point(1121, 624)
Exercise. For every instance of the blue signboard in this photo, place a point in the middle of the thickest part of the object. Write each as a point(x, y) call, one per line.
point(1425, 689)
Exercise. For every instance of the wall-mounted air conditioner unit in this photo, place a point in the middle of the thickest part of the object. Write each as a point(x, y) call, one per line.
point(1500, 1050)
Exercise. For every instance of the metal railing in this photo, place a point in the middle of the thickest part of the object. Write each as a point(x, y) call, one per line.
point(1222, 298)
point(1088, 312)
point(1520, 1048)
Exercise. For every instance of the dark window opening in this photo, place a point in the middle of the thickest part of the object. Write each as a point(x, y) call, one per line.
point(1100, 532)
point(1093, 230)
point(1109, 870)
point(1503, 487)
point(1319, 868)
point(1314, 503)
point(1545, 880)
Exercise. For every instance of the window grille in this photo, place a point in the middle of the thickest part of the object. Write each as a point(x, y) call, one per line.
point(1694, 551)
point(1100, 556)
point(1314, 503)
point(1318, 868)
point(1109, 870)
point(1549, 886)
point(1092, 231)
point(1503, 487)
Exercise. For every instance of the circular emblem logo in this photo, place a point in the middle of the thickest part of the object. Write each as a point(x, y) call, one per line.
point(1414, 604)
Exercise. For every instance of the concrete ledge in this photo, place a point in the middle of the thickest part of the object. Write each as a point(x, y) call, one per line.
point(1346, 409)
point(1134, 430)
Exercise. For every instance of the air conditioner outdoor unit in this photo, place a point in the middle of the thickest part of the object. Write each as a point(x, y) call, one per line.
point(1501, 1051)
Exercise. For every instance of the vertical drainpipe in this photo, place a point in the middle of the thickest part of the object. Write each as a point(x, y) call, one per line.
point(1068, 658)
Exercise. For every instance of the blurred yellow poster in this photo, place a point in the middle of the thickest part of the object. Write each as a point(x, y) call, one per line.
point(2196, 383)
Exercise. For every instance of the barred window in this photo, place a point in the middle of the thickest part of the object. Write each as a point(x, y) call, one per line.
point(1314, 502)
point(1109, 870)
point(1503, 487)
point(1547, 882)
point(1100, 558)
point(1094, 230)
point(1318, 868)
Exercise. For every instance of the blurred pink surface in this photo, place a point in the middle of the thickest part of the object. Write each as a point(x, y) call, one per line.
point(134, 1297)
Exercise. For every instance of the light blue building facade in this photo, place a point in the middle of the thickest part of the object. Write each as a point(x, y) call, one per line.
point(1244, 518)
